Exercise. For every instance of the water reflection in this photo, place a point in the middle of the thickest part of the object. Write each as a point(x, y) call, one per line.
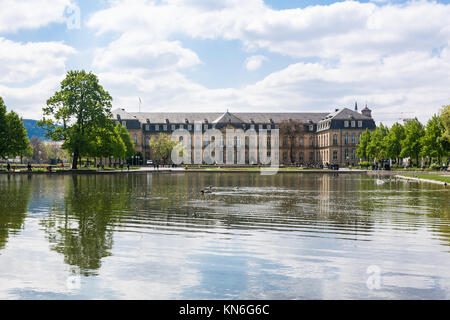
point(15, 192)
point(288, 236)
point(80, 228)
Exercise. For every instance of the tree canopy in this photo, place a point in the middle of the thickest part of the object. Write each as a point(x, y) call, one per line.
point(162, 147)
point(82, 108)
point(13, 135)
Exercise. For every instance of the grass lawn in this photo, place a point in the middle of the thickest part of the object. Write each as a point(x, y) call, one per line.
point(435, 177)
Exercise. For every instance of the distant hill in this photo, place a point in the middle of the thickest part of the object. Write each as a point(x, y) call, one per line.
point(33, 129)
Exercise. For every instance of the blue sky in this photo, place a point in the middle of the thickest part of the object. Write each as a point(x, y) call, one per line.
point(212, 55)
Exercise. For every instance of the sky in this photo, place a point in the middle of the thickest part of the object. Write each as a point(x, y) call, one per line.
point(242, 56)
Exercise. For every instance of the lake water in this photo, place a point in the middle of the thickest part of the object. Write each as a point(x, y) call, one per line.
point(288, 236)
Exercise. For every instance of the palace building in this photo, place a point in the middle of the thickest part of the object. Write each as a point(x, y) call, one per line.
point(303, 138)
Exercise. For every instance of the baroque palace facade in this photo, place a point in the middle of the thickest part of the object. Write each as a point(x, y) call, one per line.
point(304, 138)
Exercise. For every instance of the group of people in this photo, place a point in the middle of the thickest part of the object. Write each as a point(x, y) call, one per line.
point(101, 167)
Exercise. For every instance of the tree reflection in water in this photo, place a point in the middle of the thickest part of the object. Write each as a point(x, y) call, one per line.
point(15, 193)
point(82, 228)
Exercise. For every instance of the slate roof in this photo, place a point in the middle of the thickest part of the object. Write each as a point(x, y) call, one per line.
point(345, 114)
point(210, 117)
point(228, 118)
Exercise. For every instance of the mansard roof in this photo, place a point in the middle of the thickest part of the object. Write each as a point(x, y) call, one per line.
point(227, 118)
point(346, 114)
point(212, 117)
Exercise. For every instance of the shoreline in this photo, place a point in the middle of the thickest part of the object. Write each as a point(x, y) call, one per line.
point(399, 174)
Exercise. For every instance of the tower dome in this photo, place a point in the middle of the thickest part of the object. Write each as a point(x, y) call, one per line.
point(366, 112)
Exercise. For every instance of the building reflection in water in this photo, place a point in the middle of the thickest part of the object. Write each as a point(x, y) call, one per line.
point(95, 208)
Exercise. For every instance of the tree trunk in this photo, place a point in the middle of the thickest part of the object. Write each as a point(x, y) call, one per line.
point(75, 159)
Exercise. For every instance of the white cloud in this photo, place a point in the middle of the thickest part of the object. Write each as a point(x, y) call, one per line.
point(25, 14)
point(21, 62)
point(144, 54)
point(30, 73)
point(395, 56)
point(254, 62)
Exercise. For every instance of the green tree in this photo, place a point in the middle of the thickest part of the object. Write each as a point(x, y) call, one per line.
point(433, 141)
point(111, 141)
point(412, 144)
point(80, 107)
point(3, 131)
point(445, 118)
point(162, 147)
point(392, 141)
point(364, 141)
point(13, 135)
point(123, 133)
point(18, 143)
point(375, 148)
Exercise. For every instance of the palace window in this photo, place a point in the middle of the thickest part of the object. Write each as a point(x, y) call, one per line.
point(301, 141)
point(124, 123)
point(359, 124)
point(353, 124)
point(346, 124)
point(230, 142)
point(147, 127)
point(190, 127)
point(346, 138)
point(311, 156)
point(173, 127)
point(135, 139)
point(300, 156)
point(335, 140)
point(156, 127)
point(353, 138)
point(335, 155)
point(165, 127)
point(147, 141)
point(346, 154)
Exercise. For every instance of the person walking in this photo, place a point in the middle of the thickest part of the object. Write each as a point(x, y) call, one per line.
point(8, 167)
